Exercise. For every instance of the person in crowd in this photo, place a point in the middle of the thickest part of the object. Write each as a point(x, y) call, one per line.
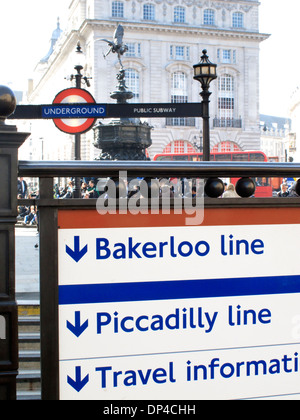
point(230, 192)
point(84, 189)
point(22, 187)
point(292, 190)
point(31, 218)
point(70, 190)
point(92, 189)
point(22, 210)
point(284, 192)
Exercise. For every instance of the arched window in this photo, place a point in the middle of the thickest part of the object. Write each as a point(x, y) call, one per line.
point(179, 146)
point(117, 9)
point(179, 87)
point(209, 17)
point(179, 94)
point(149, 12)
point(179, 14)
point(132, 79)
point(226, 146)
point(237, 20)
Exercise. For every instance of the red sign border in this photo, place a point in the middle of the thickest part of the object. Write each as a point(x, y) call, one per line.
point(245, 216)
point(83, 128)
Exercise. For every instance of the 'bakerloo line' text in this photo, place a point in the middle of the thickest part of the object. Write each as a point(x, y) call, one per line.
point(228, 246)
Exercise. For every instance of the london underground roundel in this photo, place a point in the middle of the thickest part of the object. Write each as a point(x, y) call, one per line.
point(78, 97)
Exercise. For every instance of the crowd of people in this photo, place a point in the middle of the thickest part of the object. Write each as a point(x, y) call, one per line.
point(287, 191)
point(28, 215)
point(88, 189)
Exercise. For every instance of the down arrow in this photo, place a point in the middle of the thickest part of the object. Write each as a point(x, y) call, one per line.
point(77, 329)
point(78, 253)
point(78, 384)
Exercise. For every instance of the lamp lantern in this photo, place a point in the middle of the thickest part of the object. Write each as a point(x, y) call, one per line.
point(205, 71)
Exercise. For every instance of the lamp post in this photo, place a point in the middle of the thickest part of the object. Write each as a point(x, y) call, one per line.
point(204, 73)
point(79, 80)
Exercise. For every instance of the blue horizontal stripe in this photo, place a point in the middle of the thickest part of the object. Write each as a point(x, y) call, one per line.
point(181, 289)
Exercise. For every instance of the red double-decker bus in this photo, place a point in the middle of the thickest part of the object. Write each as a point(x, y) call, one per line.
point(263, 185)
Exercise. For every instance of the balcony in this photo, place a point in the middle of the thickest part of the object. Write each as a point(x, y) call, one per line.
point(181, 122)
point(227, 123)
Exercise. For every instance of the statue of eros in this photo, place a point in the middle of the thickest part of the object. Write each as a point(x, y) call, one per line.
point(117, 45)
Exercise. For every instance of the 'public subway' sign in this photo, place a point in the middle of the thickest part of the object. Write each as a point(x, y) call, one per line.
point(79, 110)
point(70, 106)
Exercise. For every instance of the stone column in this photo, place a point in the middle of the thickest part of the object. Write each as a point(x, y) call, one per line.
point(10, 141)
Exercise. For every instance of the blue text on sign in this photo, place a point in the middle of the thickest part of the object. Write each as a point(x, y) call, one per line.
point(74, 111)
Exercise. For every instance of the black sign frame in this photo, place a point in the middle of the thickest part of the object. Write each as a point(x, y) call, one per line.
point(146, 110)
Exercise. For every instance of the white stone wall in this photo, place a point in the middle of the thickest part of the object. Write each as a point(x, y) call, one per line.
point(92, 19)
point(295, 117)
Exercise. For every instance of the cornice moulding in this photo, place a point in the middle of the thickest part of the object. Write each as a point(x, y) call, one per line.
point(187, 30)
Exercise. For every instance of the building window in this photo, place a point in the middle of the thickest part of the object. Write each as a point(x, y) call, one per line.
point(226, 102)
point(238, 20)
point(179, 87)
point(209, 17)
point(226, 56)
point(226, 146)
point(226, 83)
point(179, 94)
point(132, 78)
point(117, 9)
point(179, 146)
point(179, 14)
point(149, 12)
point(179, 52)
point(134, 49)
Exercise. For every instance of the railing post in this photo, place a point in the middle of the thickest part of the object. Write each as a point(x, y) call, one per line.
point(10, 141)
point(48, 293)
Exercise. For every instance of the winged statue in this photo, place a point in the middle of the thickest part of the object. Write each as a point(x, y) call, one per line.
point(116, 45)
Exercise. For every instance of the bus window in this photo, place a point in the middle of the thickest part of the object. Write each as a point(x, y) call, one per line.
point(262, 181)
point(222, 157)
point(179, 157)
point(257, 157)
point(240, 157)
point(160, 158)
point(196, 158)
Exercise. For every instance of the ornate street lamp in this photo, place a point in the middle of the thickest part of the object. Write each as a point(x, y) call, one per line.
point(205, 72)
point(79, 62)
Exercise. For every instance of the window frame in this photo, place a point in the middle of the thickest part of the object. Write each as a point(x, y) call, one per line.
point(117, 9)
point(209, 17)
point(237, 20)
point(149, 12)
point(133, 84)
point(179, 14)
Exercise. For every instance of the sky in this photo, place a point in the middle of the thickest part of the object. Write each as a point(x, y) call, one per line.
point(26, 28)
point(279, 55)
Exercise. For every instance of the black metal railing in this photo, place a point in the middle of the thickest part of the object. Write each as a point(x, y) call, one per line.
point(247, 172)
point(48, 169)
point(181, 122)
point(227, 123)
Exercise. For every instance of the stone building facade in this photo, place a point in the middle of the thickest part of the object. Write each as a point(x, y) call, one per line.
point(294, 108)
point(165, 38)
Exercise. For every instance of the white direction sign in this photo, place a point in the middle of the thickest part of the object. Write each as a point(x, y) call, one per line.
point(179, 312)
